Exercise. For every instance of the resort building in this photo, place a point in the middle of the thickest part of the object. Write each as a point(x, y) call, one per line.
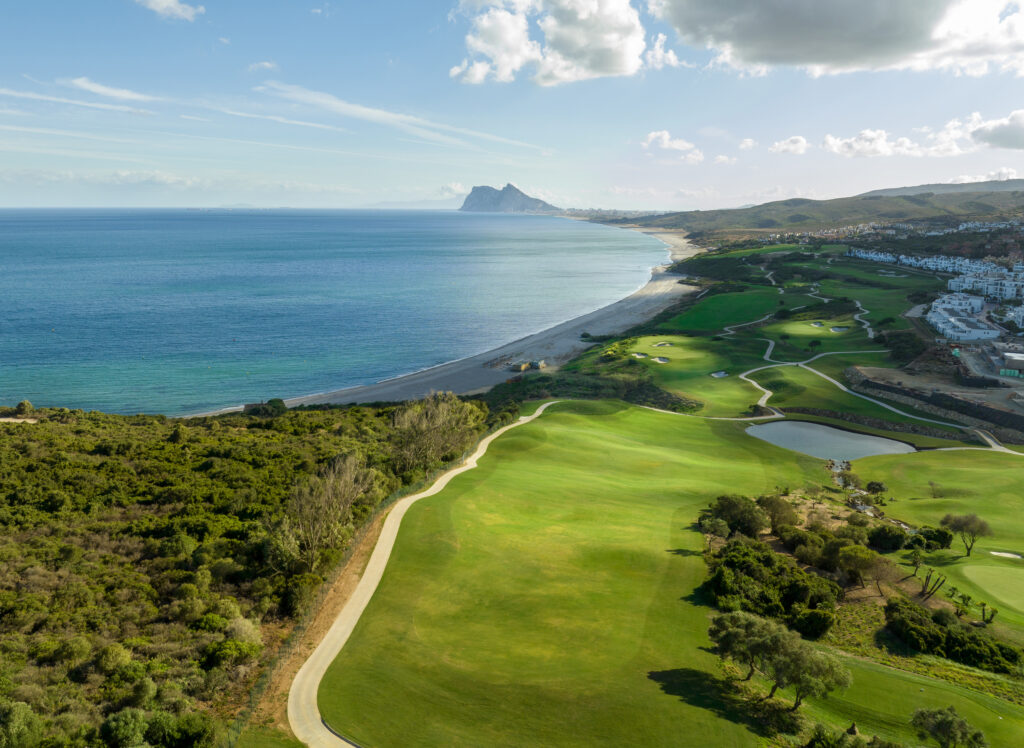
point(952, 316)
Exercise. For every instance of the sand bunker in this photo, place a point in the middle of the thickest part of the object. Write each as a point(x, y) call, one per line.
point(1004, 555)
point(661, 345)
point(639, 355)
point(817, 324)
point(660, 360)
point(719, 374)
point(839, 329)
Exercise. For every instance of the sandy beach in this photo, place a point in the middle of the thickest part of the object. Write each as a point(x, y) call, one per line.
point(555, 345)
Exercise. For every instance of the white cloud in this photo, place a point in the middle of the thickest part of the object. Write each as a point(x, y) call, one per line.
point(265, 65)
point(423, 128)
point(954, 139)
point(582, 39)
point(99, 89)
point(453, 189)
point(193, 118)
point(504, 39)
point(281, 120)
point(173, 9)
point(872, 143)
point(999, 175)
point(658, 57)
point(663, 140)
point(1007, 132)
point(12, 112)
point(748, 144)
point(71, 102)
point(968, 37)
point(471, 72)
point(797, 145)
point(727, 160)
point(223, 40)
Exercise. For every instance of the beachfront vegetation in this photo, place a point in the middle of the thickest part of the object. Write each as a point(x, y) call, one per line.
point(150, 568)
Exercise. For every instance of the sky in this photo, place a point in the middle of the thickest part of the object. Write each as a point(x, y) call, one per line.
point(630, 104)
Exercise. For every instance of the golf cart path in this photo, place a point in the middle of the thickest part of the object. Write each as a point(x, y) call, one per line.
point(993, 444)
point(303, 710)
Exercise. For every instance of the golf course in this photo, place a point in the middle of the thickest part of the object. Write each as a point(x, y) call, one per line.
point(552, 595)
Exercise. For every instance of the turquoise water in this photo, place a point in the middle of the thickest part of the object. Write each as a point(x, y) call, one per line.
point(187, 311)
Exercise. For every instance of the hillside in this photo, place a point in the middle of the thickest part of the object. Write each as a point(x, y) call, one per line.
point(800, 214)
point(1005, 185)
point(510, 199)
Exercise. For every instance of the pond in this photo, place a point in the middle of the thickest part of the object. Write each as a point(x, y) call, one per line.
point(825, 442)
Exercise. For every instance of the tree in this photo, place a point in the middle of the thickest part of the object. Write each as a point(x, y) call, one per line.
point(887, 537)
point(856, 561)
point(969, 527)
point(440, 426)
point(848, 479)
point(816, 673)
point(24, 408)
point(916, 559)
point(320, 506)
point(875, 487)
point(947, 728)
point(779, 511)
point(740, 513)
point(125, 729)
point(743, 637)
point(19, 725)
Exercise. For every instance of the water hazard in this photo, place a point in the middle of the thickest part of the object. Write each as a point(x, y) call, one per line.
point(825, 442)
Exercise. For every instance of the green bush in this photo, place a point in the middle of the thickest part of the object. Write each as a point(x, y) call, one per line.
point(915, 627)
point(887, 537)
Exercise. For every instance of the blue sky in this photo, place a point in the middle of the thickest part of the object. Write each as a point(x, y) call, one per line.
point(652, 104)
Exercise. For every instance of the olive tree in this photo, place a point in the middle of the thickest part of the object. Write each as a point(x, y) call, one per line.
point(969, 527)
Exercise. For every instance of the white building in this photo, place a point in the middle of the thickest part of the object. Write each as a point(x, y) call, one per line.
point(952, 316)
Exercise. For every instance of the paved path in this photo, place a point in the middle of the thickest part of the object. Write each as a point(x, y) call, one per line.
point(864, 322)
point(303, 710)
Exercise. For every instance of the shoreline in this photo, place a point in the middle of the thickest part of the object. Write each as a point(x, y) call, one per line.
point(555, 345)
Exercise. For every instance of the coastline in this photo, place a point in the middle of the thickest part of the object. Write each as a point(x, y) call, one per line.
point(555, 346)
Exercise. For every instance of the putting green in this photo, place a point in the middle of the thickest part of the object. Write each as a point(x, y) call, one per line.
point(929, 485)
point(546, 598)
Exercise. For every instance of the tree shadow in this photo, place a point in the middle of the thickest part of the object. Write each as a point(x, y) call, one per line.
point(684, 552)
point(724, 698)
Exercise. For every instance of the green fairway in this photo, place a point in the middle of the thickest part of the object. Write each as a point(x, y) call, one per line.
point(692, 361)
point(795, 387)
point(715, 313)
point(545, 599)
point(929, 485)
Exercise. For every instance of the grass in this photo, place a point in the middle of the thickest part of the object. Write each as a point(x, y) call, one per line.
point(984, 483)
point(548, 598)
point(795, 387)
point(257, 737)
point(715, 313)
point(691, 361)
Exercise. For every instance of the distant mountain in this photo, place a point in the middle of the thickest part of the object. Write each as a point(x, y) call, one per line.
point(507, 200)
point(800, 214)
point(1003, 185)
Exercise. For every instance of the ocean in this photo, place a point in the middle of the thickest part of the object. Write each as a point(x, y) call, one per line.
point(180, 312)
